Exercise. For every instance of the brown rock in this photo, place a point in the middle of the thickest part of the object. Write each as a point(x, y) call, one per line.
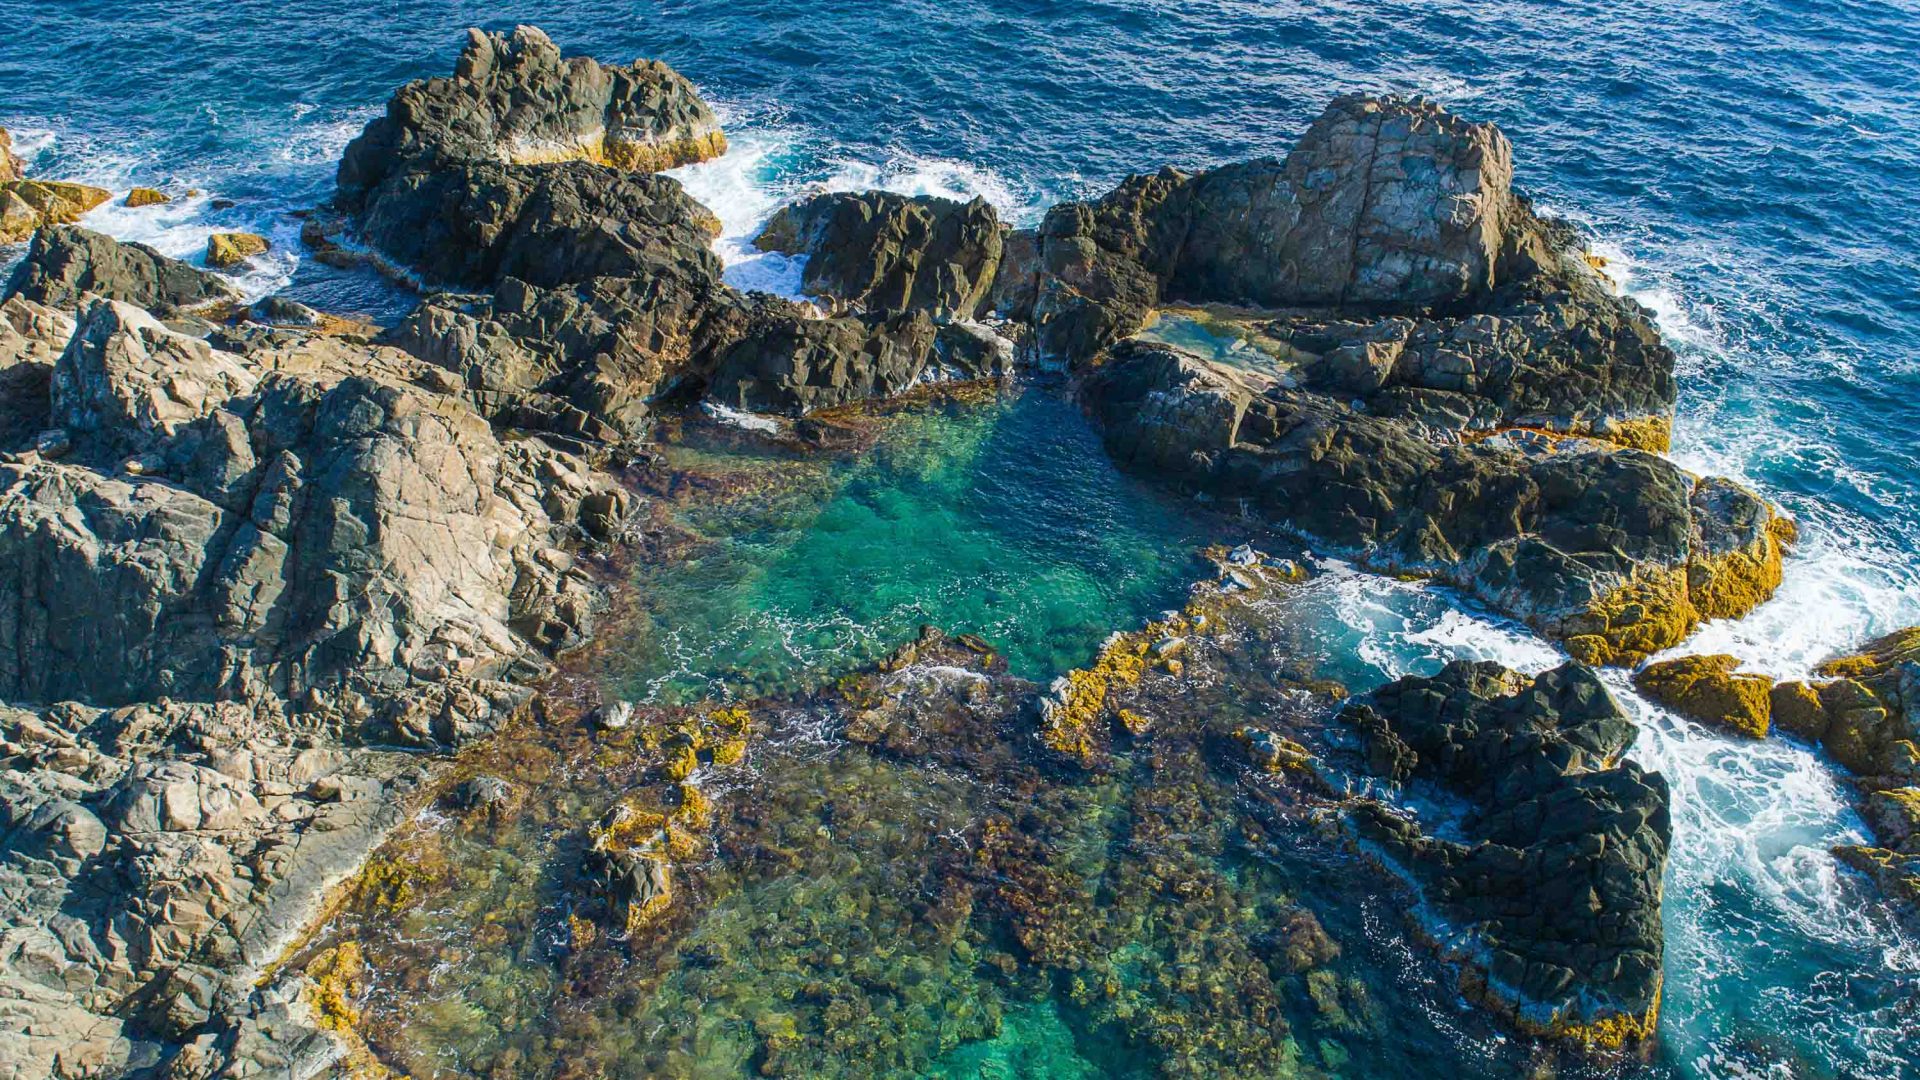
point(1798, 712)
point(11, 167)
point(1708, 689)
point(232, 249)
point(143, 196)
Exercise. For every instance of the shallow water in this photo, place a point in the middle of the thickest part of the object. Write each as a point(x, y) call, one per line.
point(1005, 520)
point(1747, 169)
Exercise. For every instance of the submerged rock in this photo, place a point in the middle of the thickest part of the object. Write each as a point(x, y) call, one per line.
point(1555, 881)
point(65, 263)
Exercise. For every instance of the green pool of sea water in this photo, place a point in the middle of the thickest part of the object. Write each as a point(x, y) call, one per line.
point(1005, 520)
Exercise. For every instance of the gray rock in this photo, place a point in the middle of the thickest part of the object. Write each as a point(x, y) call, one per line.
point(1553, 886)
point(65, 263)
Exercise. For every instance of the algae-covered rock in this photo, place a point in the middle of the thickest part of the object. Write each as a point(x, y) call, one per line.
point(1709, 689)
point(228, 250)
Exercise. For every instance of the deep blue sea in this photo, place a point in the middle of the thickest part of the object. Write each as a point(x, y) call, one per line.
point(1750, 169)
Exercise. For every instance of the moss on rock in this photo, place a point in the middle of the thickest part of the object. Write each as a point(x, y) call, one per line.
point(1709, 689)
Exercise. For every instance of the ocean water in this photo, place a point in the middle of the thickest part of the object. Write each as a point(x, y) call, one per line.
point(1747, 168)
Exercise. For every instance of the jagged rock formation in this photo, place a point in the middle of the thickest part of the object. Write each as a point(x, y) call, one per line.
point(252, 558)
point(27, 205)
point(1554, 884)
point(1617, 552)
point(515, 101)
point(890, 254)
point(605, 295)
point(66, 263)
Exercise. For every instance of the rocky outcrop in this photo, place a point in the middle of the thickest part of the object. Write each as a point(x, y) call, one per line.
point(1542, 862)
point(66, 263)
point(29, 205)
point(1436, 294)
point(885, 254)
point(1617, 552)
point(228, 250)
point(530, 165)
point(254, 559)
point(146, 196)
point(1711, 690)
point(516, 101)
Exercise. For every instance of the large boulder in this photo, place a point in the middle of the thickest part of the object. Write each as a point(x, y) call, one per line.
point(530, 165)
point(1382, 202)
point(1547, 878)
point(516, 101)
point(887, 254)
point(65, 263)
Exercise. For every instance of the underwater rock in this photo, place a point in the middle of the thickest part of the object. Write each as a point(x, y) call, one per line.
point(1555, 883)
point(1709, 689)
point(228, 250)
point(884, 254)
point(65, 263)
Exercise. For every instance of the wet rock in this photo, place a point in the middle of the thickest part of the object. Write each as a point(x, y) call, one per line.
point(1709, 689)
point(1556, 875)
point(228, 250)
point(794, 365)
point(144, 196)
point(887, 254)
point(65, 263)
point(278, 310)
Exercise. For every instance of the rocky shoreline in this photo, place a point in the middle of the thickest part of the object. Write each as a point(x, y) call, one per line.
point(264, 569)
